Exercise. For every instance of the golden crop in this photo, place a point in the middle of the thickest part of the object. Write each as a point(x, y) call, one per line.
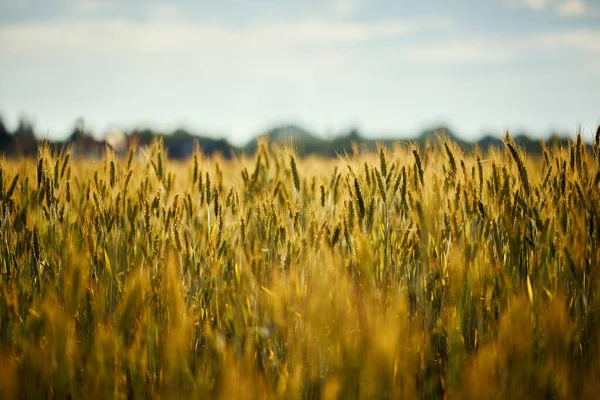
point(411, 273)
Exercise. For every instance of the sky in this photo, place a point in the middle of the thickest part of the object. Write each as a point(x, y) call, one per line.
point(235, 68)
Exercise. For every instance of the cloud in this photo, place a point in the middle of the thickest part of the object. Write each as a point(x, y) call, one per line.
point(160, 10)
point(586, 40)
point(459, 52)
point(534, 4)
point(498, 50)
point(287, 52)
point(90, 6)
point(163, 36)
point(346, 6)
point(563, 8)
point(571, 8)
point(281, 49)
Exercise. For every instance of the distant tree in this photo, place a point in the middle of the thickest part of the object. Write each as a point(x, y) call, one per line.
point(144, 136)
point(5, 136)
point(25, 128)
point(78, 130)
point(3, 131)
point(354, 134)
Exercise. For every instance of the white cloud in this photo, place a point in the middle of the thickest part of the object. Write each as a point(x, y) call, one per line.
point(563, 8)
point(460, 52)
point(284, 52)
point(586, 40)
point(160, 10)
point(346, 6)
point(535, 4)
point(278, 48)
point(165, 37)
point(90, 6)
point(497, 50)
point(570, 8)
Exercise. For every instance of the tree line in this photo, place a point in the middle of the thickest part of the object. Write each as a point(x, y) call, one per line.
point(180, 144)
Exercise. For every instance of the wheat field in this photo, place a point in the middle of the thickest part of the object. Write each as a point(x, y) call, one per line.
point(423, 273)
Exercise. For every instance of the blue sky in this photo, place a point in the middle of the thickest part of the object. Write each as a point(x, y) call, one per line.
point(233, 68)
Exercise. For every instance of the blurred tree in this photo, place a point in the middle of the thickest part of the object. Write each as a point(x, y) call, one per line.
point(144, 136)
point(3, 131)
point(78, 130)
point(25, 128)
point(5, 136)
point(354, 134)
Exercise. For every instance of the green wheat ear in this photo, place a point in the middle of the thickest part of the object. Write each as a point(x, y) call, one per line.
point(216, 202)
point(40, 172)
point(396, 184)
point(520, 166)
point(335, 236)
point(480, 172)
point(207, 189)
point(382, 161)
point(403, 188)
point(11, 189)
point(371, 213)
point(64, 166)
point(195, 174)
point(159, 165)
point(56, 167)
point(360, 201)
point(350, 215)
point(451, 159)
point(418, 165)
point(112, 174)
point(295, 175)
